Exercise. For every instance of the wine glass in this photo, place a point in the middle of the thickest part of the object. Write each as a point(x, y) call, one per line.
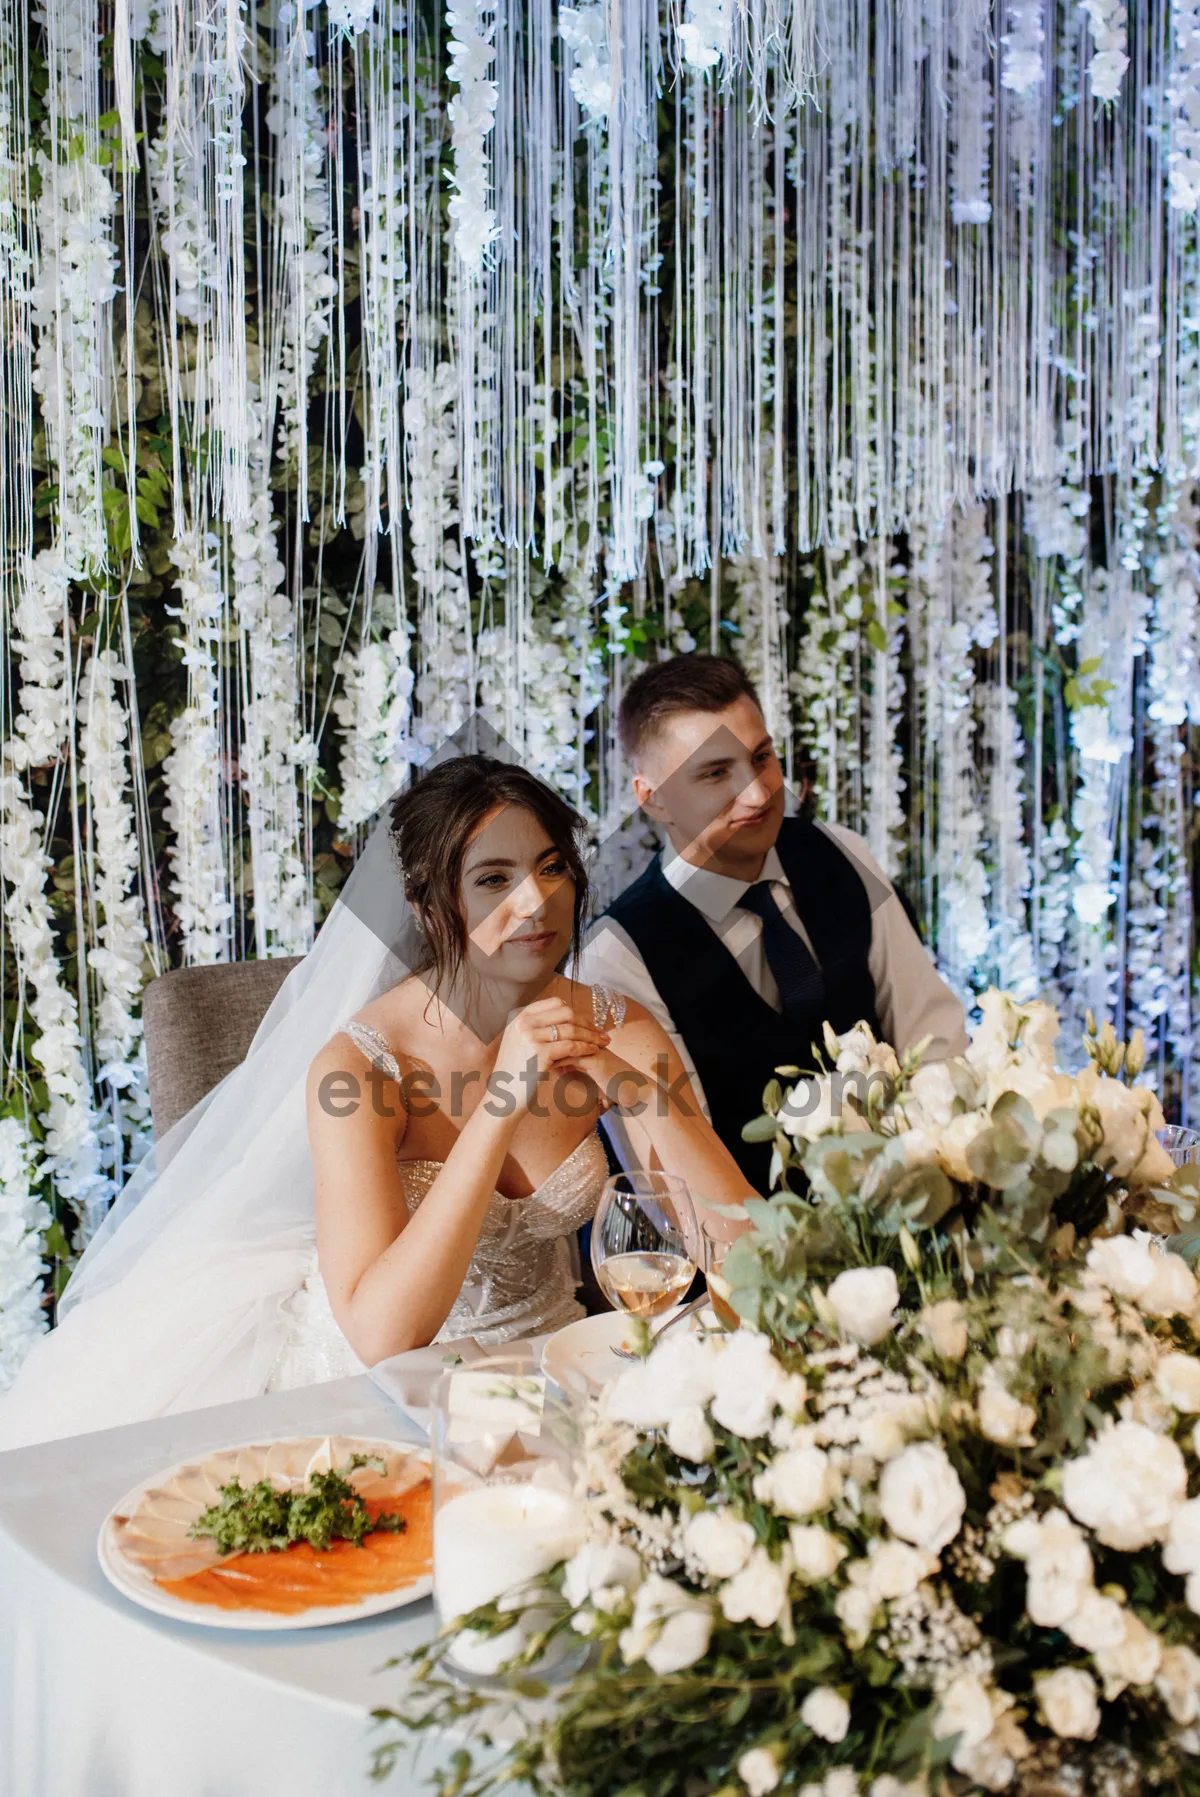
point(717, 1234)
point(641, 1236)
point(1180, 1143)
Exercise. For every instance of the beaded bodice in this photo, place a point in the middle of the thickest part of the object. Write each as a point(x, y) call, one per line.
point(523, 1273)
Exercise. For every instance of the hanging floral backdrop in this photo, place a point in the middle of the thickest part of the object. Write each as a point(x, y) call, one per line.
point(362, 366)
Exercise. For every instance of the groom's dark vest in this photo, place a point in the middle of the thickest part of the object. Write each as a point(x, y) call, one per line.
point(734, 1037)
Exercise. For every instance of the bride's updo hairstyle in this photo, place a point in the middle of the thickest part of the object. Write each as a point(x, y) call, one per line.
point(431, 825)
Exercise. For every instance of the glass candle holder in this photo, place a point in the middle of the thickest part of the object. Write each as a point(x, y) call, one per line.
point(506, 1448)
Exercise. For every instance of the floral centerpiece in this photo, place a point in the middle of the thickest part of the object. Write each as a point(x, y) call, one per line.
point(930, 1520)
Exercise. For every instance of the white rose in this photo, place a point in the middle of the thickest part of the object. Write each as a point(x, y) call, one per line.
point(993, 1036)
point(1124, 1121)
point(1127, 1486)
point(678, 1375)
point(1172, 1291)
point(816, 1552)
point(1059, 1565)
point(1192, 1592)
point(758, 1593)
point(1067, 1699)
point(1003, 1418)
point(827, 1713)
point(1181, 1553)
point(670, 1628)
point(919, 1145)
point(808, 1110)
point(893, 1569)
point(889, 1426)
point(932, 1085)
point(750, 1385)
point(854, 1049)
point(1177, 1378)
point(965, 1710)
point(1043, 1089)
point(841, 1782)
point(758, 1768)
point(1178, 1684)
point(956, 1139)
point(1134, 1661)
point(1156, 1165)
point(689, 1435)
point(719, 1541)
point(798, 1483)
point(605, 1573)
point(855, 1609)
point(1122, 1264)
point(1098, 1622)
point(944, 1326)
point(1148, 1406)
point(864, 1301)
point(921, 1497)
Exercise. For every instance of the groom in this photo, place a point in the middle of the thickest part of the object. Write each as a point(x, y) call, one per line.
point(750, 930)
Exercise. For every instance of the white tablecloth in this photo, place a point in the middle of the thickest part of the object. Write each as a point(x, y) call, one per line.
point(98, 1698)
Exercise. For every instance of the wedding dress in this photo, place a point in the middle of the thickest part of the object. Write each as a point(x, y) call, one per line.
point(521, 1280)
point(201, 1285)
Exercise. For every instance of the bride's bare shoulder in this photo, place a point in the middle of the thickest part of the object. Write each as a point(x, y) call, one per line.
point(377, 1036)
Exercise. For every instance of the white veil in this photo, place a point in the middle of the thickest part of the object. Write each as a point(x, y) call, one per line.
point(178, 1301)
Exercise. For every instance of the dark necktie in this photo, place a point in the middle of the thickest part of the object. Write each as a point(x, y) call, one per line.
point(797, 975)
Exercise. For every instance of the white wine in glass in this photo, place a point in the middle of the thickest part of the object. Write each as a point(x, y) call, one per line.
point(643, 1226)
point(645, 1284)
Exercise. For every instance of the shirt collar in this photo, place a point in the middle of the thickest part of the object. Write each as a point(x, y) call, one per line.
point(713, 894)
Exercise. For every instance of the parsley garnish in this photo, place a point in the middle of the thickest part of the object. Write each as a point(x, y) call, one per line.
point(265, 1520)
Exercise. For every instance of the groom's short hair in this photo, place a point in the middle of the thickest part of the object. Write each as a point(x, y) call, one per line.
point(682, 683)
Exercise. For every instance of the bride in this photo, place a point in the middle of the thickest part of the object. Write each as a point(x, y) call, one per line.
point(421, 1177)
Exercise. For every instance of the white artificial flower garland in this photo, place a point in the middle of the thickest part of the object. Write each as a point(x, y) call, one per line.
point(1109, 59)
point(584, 30)
point(1010, 956)
point(74, 290)
point(1024, 64)
point(1160, 920)
point(374, 709)
point(1100, 732)
point(1183, 97)
point(960, 618)
point(24, 1218)
point(274, 750)
point(445, 683)
point(706, 33)
point(117, 957)
point(825, 684)
point(471, 53)
point(970, 122)
point(882, 759)
point(72, 1147)
point(760, 613)
point(297, 123)
point(193, 769)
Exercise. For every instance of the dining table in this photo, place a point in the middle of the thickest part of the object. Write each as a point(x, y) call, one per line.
point(101, 1698)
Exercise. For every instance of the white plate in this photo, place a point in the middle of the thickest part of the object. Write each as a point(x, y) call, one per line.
point(136, 1583)
point(586, 1347)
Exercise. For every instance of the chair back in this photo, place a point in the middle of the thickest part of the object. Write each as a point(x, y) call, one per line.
point(199, 1024)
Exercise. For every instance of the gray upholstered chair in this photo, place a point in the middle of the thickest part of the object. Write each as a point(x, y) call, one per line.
point(199, 1023)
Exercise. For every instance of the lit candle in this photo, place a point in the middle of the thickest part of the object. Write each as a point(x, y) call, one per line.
point(493, 1540)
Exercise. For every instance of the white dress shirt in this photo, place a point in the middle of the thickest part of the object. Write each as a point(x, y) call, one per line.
point(911, 998)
